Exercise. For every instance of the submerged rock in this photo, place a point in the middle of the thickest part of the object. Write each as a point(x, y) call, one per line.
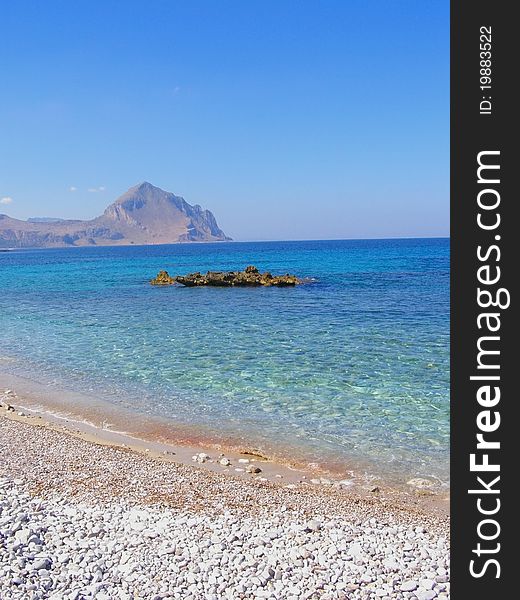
point(420, 482)
point(251, 276)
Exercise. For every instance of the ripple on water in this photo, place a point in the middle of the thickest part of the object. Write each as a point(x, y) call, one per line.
point(351, 366)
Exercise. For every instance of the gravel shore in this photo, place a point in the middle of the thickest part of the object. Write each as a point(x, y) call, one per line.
point(82, 520)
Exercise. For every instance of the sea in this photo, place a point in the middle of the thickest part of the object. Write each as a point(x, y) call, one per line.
point(349, 371)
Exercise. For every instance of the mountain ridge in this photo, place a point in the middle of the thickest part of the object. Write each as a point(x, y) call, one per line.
point(143, 215)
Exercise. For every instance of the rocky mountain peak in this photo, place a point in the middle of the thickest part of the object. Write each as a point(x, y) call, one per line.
point(144, 214)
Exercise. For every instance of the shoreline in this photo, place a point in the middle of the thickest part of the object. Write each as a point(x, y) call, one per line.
point(102, 522)
point(244, 462)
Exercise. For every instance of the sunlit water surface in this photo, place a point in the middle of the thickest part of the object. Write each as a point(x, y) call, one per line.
point(352, 367)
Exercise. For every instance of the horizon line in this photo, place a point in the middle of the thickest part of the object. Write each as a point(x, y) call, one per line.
point(234, 242)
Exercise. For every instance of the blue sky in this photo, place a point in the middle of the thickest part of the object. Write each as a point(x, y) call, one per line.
point(288, 119)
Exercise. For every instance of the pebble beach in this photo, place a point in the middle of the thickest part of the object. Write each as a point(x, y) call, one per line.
point(80, 520)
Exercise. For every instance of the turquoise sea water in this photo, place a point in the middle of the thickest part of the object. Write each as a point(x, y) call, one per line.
point(351, 367)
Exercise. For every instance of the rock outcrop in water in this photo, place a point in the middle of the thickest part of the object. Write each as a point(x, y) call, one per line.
point(250, 277)
point(143, 215)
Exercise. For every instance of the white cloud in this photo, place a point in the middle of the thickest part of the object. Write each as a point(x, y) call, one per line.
point(6, 200)
point(94, 190)
point(72, 188)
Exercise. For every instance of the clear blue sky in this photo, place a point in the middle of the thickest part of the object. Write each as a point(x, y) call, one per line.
point(288, 119)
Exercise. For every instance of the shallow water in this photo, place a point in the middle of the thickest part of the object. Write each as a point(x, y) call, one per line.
point(353, 367)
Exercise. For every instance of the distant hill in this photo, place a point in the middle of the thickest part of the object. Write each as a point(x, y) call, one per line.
point(44, 220)
point(145, 214)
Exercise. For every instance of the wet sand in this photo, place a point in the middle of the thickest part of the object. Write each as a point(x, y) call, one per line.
point(244, 463)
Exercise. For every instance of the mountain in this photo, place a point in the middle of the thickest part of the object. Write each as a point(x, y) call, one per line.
point(143, 215)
